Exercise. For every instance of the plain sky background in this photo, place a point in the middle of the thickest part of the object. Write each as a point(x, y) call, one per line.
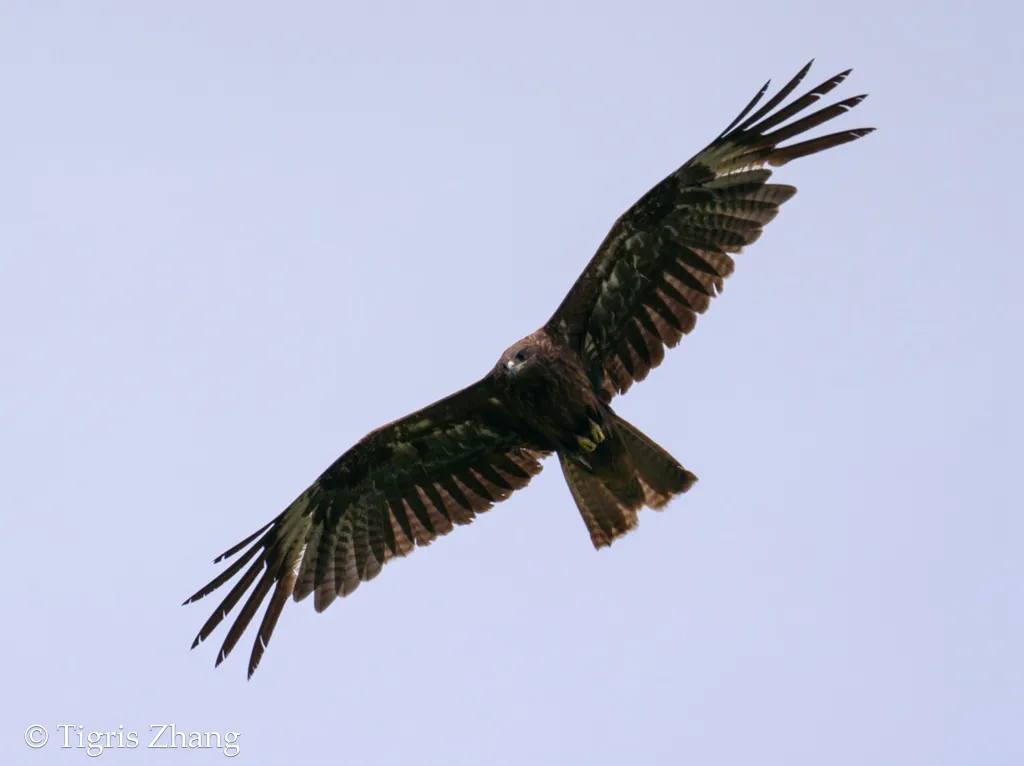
point(235, 237)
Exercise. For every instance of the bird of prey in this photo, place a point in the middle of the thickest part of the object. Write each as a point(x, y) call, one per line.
point(417, 478)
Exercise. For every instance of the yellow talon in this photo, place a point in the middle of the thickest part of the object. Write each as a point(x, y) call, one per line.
point(596, 433)
point(586, 444)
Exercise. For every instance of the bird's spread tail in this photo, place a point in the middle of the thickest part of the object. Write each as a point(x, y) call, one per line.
point(636, 473)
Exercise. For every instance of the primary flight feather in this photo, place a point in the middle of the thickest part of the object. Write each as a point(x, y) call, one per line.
point(410, 481)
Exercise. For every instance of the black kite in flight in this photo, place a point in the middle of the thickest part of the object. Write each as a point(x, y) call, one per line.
point(415, 479)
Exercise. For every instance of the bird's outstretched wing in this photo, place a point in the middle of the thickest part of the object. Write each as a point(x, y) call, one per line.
point(401, 486)
point(668, 255)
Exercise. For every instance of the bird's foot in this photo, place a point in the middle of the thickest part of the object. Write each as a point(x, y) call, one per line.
point(596, 436)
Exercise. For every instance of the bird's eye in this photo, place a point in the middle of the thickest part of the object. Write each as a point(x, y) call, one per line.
point(520, 356)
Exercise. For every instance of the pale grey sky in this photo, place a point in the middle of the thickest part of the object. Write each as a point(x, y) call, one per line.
point(235, 237)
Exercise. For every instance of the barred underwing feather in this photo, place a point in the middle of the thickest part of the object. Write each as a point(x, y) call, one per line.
point(225, 606)
point(780, 157)
point(492, 474)
point(236, 548)
point(647, 324)
point(306, 579)
point(346, 573)
point(763, 126)
point(810, 121)
point(657, 303)
point(402, 541)
point(474, 485)
point(775, 100)
point(246, 614)
point(227, 574)
point(360, 543)
point(284, 587)
point(432, 521)
point(438, 509)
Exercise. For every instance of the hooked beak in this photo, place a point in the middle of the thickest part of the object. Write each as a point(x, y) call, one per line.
point(512, 367)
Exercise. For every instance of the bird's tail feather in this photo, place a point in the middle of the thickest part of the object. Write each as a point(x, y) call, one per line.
point(606, 517)
point(660, 474)
point(609, 500)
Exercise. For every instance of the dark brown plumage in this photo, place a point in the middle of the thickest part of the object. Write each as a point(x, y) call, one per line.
point(415, 479)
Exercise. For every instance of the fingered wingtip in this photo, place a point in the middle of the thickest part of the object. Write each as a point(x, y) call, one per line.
point(804, 70)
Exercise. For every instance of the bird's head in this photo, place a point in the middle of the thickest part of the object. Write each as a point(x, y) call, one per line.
point(519, 360)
